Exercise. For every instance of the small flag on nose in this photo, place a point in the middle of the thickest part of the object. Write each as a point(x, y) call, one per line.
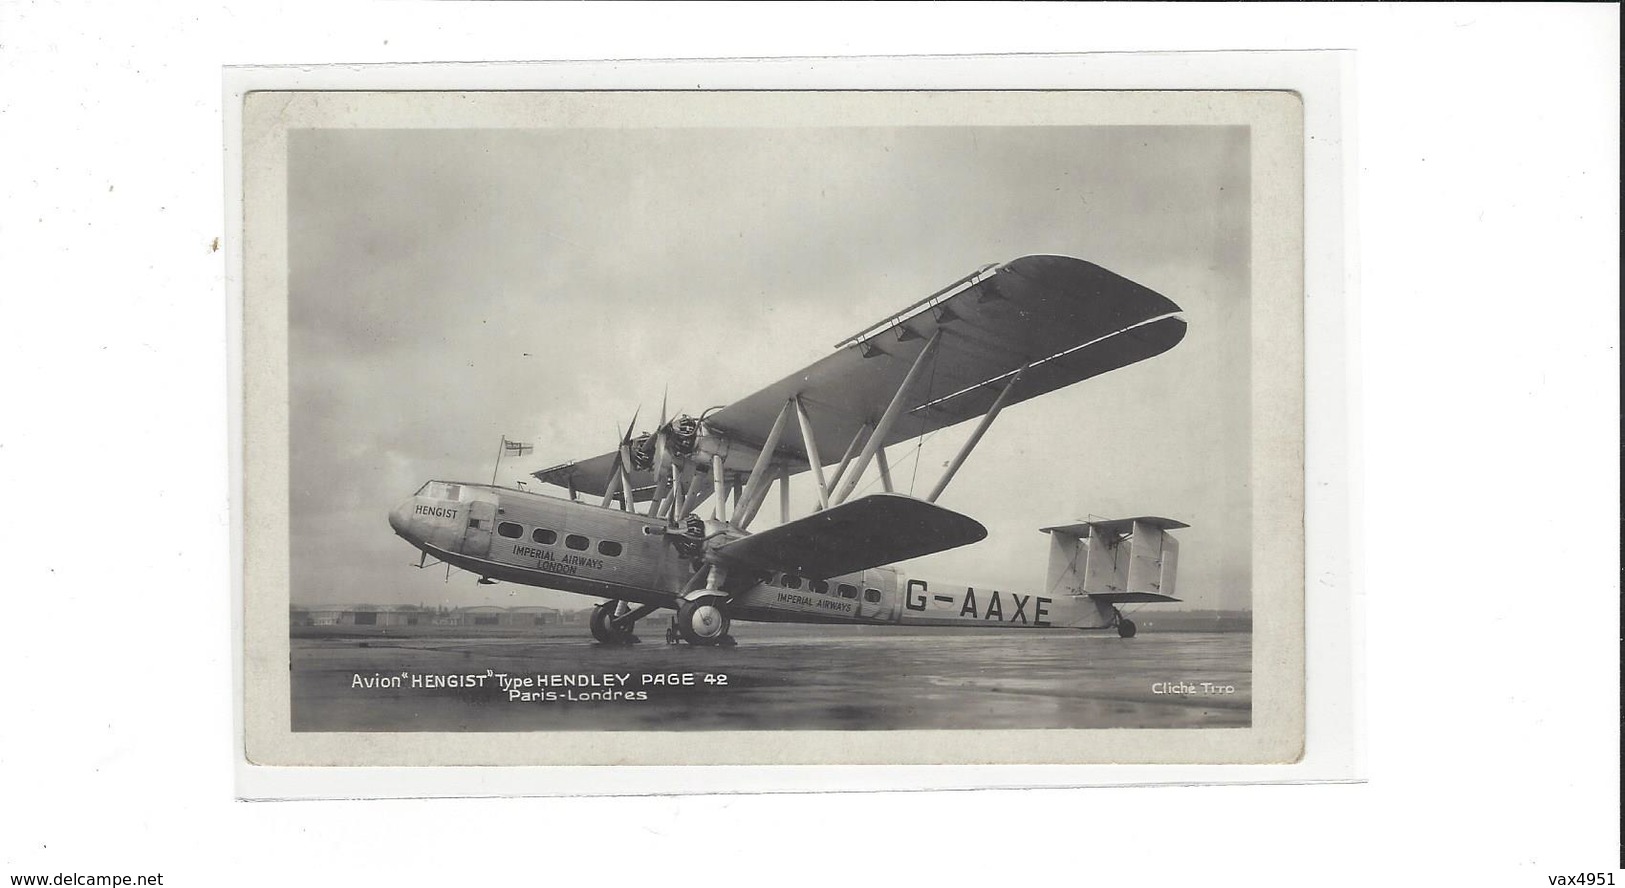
point(517, 448)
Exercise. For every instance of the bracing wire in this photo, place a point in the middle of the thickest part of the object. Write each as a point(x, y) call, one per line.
point(912, 456)
point(919, 439)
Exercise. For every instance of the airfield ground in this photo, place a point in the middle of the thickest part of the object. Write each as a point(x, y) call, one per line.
point(778, 677)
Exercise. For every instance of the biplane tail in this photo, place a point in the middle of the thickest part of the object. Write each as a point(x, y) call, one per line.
point(1123, 560)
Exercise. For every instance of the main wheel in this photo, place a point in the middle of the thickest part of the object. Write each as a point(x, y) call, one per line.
point(702, 622)
point(600, 625)
point(1125, 628)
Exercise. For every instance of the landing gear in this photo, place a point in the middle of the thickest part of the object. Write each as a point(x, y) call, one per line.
point(703, 622)
point(600, 625)
point(608, 628)
point(1125, 628)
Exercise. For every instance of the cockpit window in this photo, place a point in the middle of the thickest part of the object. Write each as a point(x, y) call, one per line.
point(441, 490)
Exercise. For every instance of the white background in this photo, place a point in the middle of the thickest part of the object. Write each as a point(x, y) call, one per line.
point(1487, 149)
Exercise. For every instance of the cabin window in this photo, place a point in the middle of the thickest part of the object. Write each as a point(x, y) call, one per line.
point(576, 541)
point(792, 581)
point(610, 548)
point(543, 536)
point(819, 586)
point(510, 530)
point(848, 591)
point(872, 596)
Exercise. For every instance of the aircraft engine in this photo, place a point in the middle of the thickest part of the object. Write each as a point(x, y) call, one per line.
point(690, 539)
point(681, 434)
point(643, 452)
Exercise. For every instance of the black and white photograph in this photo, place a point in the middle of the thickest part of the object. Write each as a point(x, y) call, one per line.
point(862, 444)
point(796, 424)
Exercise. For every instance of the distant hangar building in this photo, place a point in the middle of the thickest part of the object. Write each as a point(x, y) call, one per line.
point(364, 615)
point(484, 615)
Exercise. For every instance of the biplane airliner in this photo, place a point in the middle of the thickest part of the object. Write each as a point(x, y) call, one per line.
point(663, 520)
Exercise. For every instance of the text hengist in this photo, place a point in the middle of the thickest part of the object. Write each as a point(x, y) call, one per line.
point(435, 681)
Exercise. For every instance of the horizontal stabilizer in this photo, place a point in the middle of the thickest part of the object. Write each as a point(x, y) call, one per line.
point(1114, 525)
point(856, 535)
point(1132, 597)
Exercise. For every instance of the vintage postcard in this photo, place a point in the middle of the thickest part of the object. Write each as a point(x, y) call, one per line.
point(659, 428)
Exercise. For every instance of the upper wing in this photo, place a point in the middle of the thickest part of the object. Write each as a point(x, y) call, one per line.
point(855, 535)
point(1067, 318)
point(1063, 319)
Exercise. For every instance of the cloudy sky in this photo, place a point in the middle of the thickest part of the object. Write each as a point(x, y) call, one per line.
point(449, 287)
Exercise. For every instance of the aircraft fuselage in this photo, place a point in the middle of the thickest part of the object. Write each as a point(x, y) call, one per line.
point(521, 537)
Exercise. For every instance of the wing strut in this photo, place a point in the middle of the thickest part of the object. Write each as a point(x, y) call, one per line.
point(758, 473)
point(699, 488)
point(893, 410)
point(784, 494)
point(885, 469)
point(851, 450)
point(750, 506)
point(975, 437)
point(719, 483)
point(811, 443)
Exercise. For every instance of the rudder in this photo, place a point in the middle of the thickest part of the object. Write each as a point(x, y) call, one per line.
point(1123, 559)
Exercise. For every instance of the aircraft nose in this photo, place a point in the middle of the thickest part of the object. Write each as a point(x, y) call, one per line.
point(398, 518)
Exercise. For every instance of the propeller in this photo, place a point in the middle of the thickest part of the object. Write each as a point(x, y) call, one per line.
point(620, 469)
point(660, 457)
point(664, 453)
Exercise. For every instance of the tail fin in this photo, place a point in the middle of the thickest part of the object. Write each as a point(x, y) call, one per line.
point(1121, 560)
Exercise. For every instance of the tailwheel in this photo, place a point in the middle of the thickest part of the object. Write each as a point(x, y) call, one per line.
point(703, 622)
